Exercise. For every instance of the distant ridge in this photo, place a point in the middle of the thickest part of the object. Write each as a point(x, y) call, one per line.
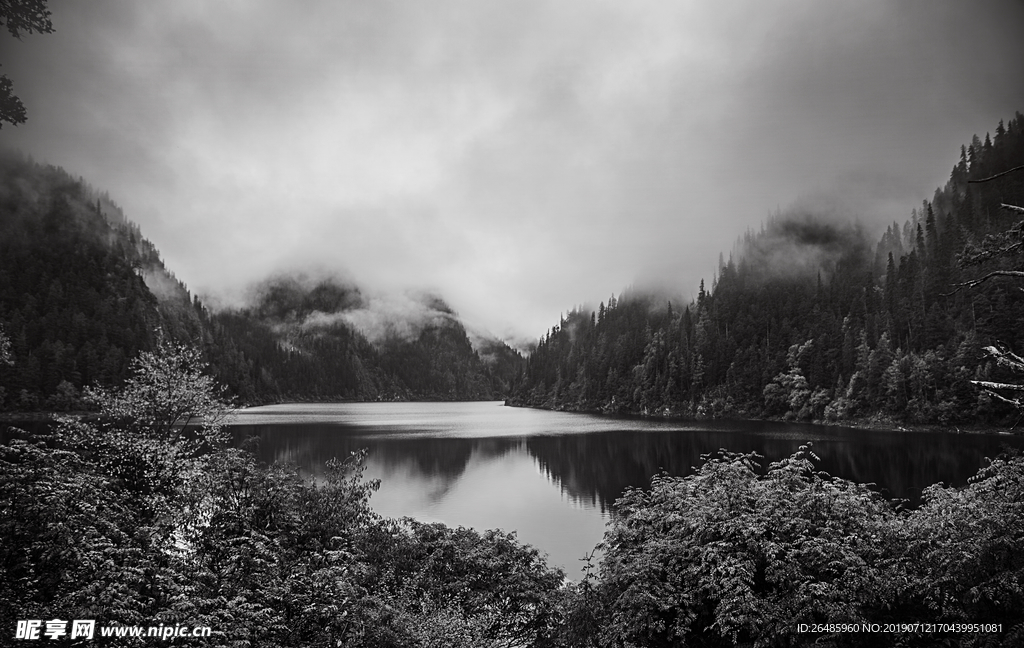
point(82, 292)
point(810, 320)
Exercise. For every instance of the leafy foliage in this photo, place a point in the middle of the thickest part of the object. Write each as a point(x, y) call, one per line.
point(505, 588)
point(167, 392)
point(146, 517)
point(18, 17)
point(70, 543)
point(135, 520)
point(964, 547)
point(726, 553)
point(5, 348)
point(730, 556)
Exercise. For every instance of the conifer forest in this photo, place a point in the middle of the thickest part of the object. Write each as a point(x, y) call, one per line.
point(813, 320)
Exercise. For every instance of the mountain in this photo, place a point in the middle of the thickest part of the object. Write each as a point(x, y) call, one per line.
point(73, 299)
point(325, 339)
point(82, 292)
point(810, 320)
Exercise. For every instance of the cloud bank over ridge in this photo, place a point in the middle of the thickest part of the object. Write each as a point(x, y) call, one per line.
point(516, 158)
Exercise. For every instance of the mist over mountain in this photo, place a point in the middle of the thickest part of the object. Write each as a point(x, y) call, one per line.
point(809, 319)
point(801, 244)
point(315, 302)
point(342, 342)
point(82, 292)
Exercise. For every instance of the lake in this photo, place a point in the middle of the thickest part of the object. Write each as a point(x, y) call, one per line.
point(552, 476)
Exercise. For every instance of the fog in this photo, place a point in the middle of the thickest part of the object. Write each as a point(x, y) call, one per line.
point(387, 316)
point(513, 158)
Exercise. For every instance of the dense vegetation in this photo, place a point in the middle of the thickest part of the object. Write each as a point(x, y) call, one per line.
point(134, 520)
point(733, 556)
point(809, 320)
point(82, 292)
point(72, 298)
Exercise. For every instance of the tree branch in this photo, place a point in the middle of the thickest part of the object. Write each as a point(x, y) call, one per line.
point(1012, 207)
point(994, 385)
point(998, 175)
point(1006, 358)
point(1012, 401)
point(995, 273)
point(979, 257)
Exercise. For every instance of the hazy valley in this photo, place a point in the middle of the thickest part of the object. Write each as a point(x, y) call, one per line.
point(83, 292)
point(808, 318)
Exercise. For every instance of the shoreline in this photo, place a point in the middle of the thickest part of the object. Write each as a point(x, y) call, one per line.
point(860, 424)
point(13, 418)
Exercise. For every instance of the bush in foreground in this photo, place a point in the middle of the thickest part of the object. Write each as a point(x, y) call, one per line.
point(729, 556)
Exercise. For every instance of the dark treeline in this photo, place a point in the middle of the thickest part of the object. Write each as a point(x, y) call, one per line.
point(72, 297)
point(808, 319)
point(82, 292)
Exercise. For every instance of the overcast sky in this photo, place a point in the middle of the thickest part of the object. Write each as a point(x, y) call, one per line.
point(516, 157)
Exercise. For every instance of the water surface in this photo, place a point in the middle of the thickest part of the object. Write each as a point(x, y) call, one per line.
point(552, 476)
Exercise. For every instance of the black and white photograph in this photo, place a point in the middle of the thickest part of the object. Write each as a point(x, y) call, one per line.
point(512, 323)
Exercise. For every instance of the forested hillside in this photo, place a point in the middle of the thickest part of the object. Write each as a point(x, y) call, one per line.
point(82, 292)
point(303, 333)
point(73, 299)
point(809, 319)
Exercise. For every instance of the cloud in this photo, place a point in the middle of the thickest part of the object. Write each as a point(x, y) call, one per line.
point(516, 158)
point(393, 316)
point(803, 244)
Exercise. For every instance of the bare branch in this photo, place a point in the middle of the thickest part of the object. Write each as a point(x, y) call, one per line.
point(987, 385)
point(977, 258)
point(1005, 358)
point(1012, 401)
point(995, 273)
point(998, 175)
point(1003, 244)
point(1012, 207)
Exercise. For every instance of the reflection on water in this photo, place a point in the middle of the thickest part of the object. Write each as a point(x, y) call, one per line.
point(603, 465)
point(553, 476)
